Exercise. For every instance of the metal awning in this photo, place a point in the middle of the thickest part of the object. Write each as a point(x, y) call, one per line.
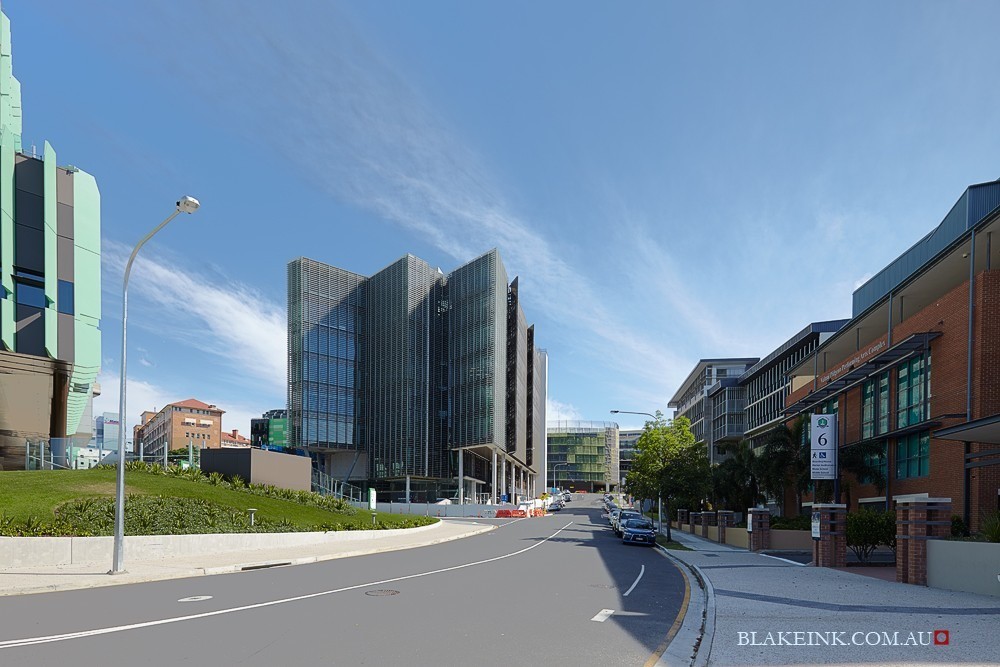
point(857, 374)
point(985, 430)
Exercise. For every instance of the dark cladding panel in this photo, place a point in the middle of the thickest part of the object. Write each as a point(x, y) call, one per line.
point(30, 327)
point(29, 248)
point(29, 209)
point(64, 221)
point(64, 187)
point(67, 340)
point(29, 175)
point(64, 258)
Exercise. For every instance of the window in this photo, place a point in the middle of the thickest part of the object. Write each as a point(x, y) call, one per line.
point(29, 294)
point(64, 298)
point(878, 460)
point(875, 406)
point(913, 377)
point(913, 455)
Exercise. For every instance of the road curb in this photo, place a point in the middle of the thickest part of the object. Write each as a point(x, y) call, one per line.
point(706, 632)
point(165, 575)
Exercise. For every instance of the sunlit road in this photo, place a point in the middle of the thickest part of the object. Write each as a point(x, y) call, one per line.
point(559, 590)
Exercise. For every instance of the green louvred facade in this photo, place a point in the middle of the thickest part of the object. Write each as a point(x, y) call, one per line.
point(71, 241)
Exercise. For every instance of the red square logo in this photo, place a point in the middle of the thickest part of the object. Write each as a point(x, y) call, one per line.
point(942, 637)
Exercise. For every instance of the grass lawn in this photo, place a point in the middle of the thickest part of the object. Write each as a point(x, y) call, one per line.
point(36, 493)
point(674, 546)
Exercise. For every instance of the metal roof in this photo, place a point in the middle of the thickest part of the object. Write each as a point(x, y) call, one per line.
point(830, 326)
point(907, 347)
point(985, 430)
point(977, 203)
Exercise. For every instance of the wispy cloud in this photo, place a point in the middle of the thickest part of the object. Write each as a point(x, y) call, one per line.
point(559, 411)
point(229, 320)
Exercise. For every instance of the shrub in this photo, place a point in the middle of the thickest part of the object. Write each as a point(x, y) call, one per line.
point(791, 523)
point(216, 478)
point(868, 529)
point(989, 527)
point(958, 527)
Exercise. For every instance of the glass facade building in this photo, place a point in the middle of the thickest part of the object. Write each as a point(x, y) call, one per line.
point(413, 379)
point(583, 455)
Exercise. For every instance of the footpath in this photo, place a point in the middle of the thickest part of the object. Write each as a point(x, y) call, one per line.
point(22, 580)
point(763, 610)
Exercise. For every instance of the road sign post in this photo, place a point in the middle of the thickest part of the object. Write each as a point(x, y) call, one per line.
point(823, 459)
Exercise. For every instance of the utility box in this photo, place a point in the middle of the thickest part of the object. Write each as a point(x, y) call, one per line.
point(259, 466)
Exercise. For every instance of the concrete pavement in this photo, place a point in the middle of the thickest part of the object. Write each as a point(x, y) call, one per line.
point(764, 610)
point(22, 580)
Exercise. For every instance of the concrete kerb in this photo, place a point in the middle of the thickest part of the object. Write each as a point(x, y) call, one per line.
point(693, 642)
point(163, 572)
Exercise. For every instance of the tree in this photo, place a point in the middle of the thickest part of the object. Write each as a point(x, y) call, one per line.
point(784, 462)
point(734, 481)
point(670, 464)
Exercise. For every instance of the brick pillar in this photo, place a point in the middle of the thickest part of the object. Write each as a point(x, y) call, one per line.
point(707, 519)
point(830, 550)
point(760, 536)
point(725, 520)
point(918, 520)
point(682, 517)
point(695, 520)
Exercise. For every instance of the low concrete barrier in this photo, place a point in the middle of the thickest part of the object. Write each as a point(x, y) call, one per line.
point(737, 537)
point(46, 551)
point(791, 540)
point(973, 567)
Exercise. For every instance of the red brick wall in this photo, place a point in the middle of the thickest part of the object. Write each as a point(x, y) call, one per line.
point(948, 315)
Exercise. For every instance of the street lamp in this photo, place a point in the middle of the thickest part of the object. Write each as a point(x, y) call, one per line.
point(659, 499)
point(555, 467)
point(184, 205)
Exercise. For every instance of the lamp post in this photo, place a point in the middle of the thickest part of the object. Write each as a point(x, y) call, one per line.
point(555, 467)
point(184, 205)
point(659, 498)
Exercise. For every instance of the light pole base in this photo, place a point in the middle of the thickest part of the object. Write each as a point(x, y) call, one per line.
point(114, 572)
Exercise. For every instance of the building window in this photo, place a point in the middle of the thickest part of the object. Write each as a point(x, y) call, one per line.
point(912, 379)
point(913, 455)
point(29, 294)
point(878, 460)
point(64, 298)
point(875, 406)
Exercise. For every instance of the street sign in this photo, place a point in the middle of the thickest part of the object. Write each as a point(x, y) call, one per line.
point(371, 499)
point(823, 460)
point(749, 520)
point(815, 525)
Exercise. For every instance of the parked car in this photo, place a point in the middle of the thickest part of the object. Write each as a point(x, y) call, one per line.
point(623, 516)
point(638, 531)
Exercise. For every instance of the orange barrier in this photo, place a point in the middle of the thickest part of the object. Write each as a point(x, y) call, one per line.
point(511, 514)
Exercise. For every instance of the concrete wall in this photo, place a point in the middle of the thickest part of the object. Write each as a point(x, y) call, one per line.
point(259, 466)
point(430, 509)
point(46, 551)
point(713, 533)
point(737, 537)
point(790, 540)
point(973, 567)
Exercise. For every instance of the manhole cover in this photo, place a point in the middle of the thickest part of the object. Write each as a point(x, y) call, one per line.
point(381, 592)
point(605, 586)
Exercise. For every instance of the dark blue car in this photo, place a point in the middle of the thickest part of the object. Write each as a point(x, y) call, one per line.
point(638, 531)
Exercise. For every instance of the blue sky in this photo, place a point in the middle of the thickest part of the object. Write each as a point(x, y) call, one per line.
point(670, 181)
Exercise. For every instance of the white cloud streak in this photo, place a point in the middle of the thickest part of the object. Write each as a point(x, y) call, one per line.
point(558, 411)
point(231, 321)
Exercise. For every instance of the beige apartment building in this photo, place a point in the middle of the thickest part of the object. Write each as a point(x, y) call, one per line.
point(176, 425)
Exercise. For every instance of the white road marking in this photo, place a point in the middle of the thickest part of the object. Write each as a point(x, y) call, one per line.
point(14, 643)
point(196, 598)
point(603, 615)
point(642, 570)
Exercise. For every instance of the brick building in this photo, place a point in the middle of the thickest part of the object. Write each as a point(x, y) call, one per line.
point(176, 425)
point(233, 440)
point(915, 369)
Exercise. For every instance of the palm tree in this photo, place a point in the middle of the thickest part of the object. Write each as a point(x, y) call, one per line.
point(734, 481)
point(783, 461)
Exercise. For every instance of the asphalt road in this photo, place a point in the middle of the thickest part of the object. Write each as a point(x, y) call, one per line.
point(529, 593)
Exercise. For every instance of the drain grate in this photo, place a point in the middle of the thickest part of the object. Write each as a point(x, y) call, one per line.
point(711, 555)
point(381, 592)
